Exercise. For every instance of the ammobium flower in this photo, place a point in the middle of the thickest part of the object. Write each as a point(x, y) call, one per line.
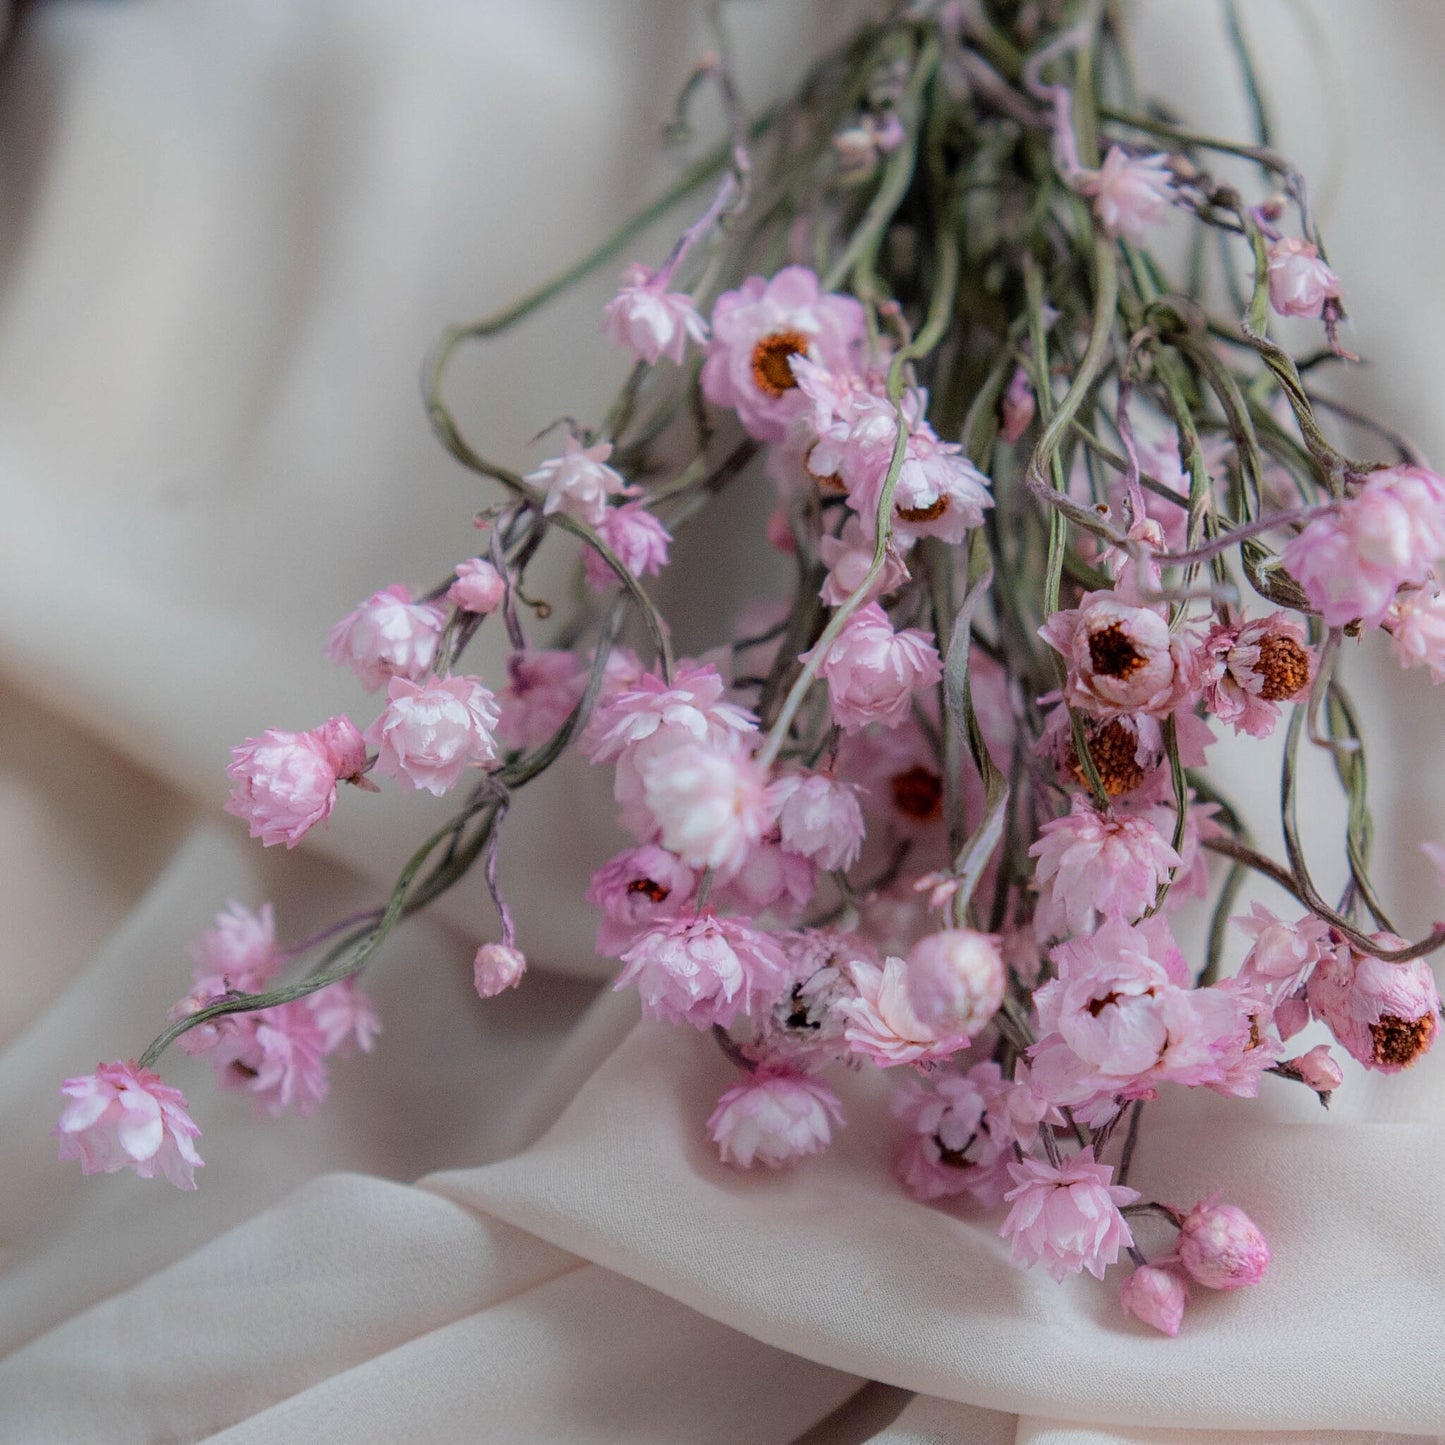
point(1067, 1218)
point(387, 636)
point(955, 980)
point(1222, 1247)
point(711, 804)
point(819, 817)
point(1299, 281)
point(479, 587)
point(649, 320)
point(882, 1023)
point(872, 672)
point(579, 482)
point(431, 733)
point(1248, 669)
point(1131, 193)
point(1385, 1014)
point(285, 782)
point(773, 1117)
point(124, 1117)
point(497, 967)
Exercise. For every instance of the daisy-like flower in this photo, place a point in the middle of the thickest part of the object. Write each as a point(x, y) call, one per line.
point(431, 733)
point(387, 636)
point(881, 1022)
point(774, 1117)
point(124, 1117)
point(579, 482)
point(1247, 669)
point(872, 671)
point(1067, 1218)
point(649, 320)
point(1386, 1015)
point(1131, 193)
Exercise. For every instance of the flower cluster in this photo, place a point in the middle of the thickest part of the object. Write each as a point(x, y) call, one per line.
point(932, 810)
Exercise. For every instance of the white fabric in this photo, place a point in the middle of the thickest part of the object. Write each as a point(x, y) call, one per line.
point(229, 235)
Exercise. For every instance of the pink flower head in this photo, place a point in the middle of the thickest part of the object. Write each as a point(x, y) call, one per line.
point(1068, 1217)
point(1155, 1296)
point(649, 320)
point(636, 536)
point(957, 1136)
point(579, 482)
point(1016, 407)
point(711, 804)
point(1121, 658)
point(703, 970)
point(479, 587)
point(848, 557)
point(1222, 1247)
point(1416, 623)
point(346, 1017)
point(1299, 281)
point(881, 1023)
point(1093, 862)
point(689, 709)
point(955, 980)
point(432, 732)
point(285, 782)
point(277, 1055)
point(387, 636)
point(240, 948)
point(497, 967)
point(1354, 558)
point(773, 1117)
point(770, 879)
point(1386, 1015)
point(1249, 668)
point(1131, 193)
point(758, 329)
point(635, 890)
point(872, 672)
point(542, 688)
point(819, 817)
point(1317, 1069)
point(124, 1117)
point(1284, 954)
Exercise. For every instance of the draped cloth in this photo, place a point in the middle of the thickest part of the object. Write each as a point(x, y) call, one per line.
point(230, 234)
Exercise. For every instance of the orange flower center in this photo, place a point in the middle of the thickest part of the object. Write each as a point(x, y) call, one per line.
point(771, 371)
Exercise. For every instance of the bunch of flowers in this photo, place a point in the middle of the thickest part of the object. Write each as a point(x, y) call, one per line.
point(1053, 526)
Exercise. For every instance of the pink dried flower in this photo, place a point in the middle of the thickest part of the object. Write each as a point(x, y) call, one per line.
point(773, 1117)
point(1155, 1296)
point(872, 672)
point(710, 804)
point(1016, 407)
point(955, 980)
point(346, 1017)
point(479, 587)
point(819, 817)
point(1221, 1247)
point(1284, 954)
point(124, 1117)
point(1386, 1015)
point(497, 967)
point(1299, 281)
point(650, 321)
point(1354, 558)
point(635, 890)
point(240, 948)
point(1249, 668)
point(543, 687)
point(881, 1023)
point(1318, 1069)
point(848, 557)
point(387, 636)
point(285, 782)
point(432, 732)
point(1121, 658)
point(1416, 624)
point(636, 536)
point(579, 482)
point(769, 879)
point(690, 709)
point(959, 1138)
point(1131, 193)
point(1092, 862)
point(704, 970)
point(277, 1055)
point(1068, 1217)
point(758, 329)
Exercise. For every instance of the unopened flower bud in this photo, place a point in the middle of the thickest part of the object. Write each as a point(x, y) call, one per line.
point(1317, 1069)
point(497, 967)
point(1156, 1296)
point(955, 980)
point(1222, 1247)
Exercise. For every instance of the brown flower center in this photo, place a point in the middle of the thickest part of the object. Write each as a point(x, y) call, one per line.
point(930, 513)
point(1284, 665)
point(1401, 1041)
point(1112, 747)
point(955, 1158)
point(771, 371)
point(654, 892)
point(1111, 654)
point(918, 793)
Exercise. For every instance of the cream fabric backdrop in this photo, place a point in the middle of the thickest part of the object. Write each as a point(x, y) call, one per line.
point(229, 233)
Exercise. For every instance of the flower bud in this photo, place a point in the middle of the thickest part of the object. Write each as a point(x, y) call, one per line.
point(1156, 1296)
point(1221, 1247)
point(497, 967)
point(1317, 1069)
point(774, 1118)
point(955, 980)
